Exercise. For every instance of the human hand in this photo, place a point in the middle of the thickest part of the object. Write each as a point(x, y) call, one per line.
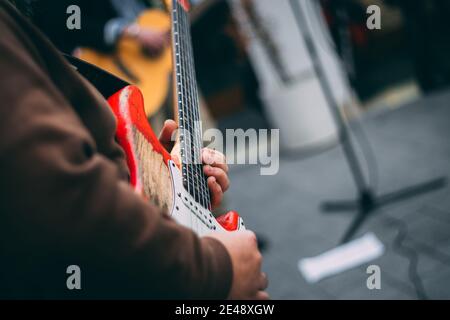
point(249, 282)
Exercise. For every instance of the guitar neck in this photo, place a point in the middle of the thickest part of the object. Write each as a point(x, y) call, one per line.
point(187, 102)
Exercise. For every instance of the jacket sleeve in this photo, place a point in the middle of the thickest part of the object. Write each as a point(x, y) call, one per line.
point(63, 202)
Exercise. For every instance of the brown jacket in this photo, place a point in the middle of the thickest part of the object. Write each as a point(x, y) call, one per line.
point(64, 197)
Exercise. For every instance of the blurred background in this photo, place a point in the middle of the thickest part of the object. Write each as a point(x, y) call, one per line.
point(391, 85)
point(361, 96)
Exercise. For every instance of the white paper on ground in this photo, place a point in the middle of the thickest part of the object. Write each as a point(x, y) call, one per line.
point(342, 258)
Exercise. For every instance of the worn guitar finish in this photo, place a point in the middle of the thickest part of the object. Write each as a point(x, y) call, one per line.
point(181, 191)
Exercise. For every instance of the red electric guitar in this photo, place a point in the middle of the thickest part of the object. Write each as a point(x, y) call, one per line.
point(182, 191)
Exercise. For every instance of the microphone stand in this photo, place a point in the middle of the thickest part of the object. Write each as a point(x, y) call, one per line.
point(367, 201)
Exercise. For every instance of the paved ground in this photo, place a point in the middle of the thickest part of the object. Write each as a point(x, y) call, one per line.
point(412, 145)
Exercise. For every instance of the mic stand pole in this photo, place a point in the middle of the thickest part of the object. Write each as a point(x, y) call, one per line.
point(367, 201)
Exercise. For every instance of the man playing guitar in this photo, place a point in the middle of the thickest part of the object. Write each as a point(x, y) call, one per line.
point(65, 198)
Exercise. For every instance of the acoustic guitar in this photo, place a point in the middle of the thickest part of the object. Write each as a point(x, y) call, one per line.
point(130, 62)
point(182, 189)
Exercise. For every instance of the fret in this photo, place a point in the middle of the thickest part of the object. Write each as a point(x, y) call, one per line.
point(189, 123)
point(188, 108)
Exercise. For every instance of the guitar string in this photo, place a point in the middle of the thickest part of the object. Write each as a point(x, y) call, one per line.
point(190, 115)
point(206, 192)
point(196, 166)
point(181, 110)
point(187, 115)
point(205, 189)
point(187, 109)
point(196, 119)
point(191, 119)
point(197, 138)
point(188, 118)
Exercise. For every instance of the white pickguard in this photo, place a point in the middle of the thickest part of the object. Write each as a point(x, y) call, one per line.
point(188, 212)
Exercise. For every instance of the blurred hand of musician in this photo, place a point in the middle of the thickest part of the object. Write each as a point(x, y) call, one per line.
point(152, 41)
point(215, 166)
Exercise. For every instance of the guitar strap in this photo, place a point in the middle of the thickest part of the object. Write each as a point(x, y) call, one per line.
point(106, 83)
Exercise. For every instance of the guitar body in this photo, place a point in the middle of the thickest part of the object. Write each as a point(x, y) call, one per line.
point(151, 74)
point(154, 174)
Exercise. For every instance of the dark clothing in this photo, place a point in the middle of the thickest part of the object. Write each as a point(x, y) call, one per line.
point(64, 196)
point(102, 22)
point(51, 17)
point(428, 31)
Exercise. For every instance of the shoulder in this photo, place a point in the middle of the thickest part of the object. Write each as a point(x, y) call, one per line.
point(17, 33)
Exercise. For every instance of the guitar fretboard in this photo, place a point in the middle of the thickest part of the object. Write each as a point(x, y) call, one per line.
point(191, 142)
